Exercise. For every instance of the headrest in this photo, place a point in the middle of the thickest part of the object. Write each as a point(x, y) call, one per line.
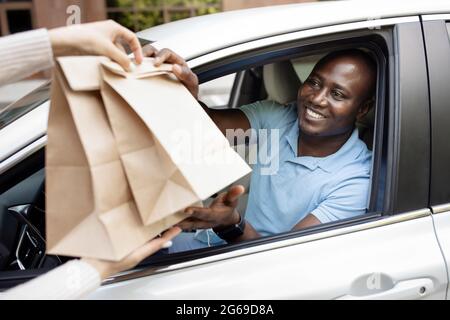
point(281, 82)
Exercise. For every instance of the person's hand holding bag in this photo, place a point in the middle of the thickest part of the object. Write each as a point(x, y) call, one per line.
point(104, 38)
point(109, 268)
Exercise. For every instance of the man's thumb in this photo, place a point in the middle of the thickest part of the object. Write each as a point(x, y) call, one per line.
point(234, 193)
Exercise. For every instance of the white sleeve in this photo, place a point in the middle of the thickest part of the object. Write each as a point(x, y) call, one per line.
point(24, 54)
point(72, 280)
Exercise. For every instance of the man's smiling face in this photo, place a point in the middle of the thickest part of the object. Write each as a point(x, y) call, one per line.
point(335, 94)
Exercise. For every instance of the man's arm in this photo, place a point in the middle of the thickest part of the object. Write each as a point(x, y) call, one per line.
point(250, 233)
point(309, 221)
point(227, 118)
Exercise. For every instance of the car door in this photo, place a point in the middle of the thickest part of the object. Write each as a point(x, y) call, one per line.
point(437, 34)
point(390, 253)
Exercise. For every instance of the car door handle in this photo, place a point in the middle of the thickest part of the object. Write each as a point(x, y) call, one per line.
point(406, 289)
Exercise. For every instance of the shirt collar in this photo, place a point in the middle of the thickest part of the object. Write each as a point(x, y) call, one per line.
point(348, 152)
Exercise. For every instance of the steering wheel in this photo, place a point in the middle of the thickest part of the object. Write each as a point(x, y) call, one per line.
point(31, 245)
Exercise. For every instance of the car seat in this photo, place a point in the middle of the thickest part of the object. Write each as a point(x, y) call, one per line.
point(366, 127)
point(281, 82)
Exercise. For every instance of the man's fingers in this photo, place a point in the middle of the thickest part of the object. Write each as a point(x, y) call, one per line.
point(149, 50)
point(168, 56)
point(180, 72)
point(186, 224)
point(187, 77)
point(190, 224)
point(195, 211)
point(202, 214)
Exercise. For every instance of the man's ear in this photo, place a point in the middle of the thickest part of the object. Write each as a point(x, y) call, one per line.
point(365, 108)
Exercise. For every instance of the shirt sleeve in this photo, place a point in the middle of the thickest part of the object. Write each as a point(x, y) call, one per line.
point(72, 280)
point(267, 114)
point(262, 114)
point(346, 200)
point(24, 54)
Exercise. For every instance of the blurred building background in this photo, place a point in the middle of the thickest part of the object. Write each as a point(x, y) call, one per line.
point(22, 15)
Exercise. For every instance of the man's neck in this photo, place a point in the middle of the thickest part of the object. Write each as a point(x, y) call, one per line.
point(315, 146)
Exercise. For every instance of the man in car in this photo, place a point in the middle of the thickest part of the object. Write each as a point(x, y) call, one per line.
point(324, 168)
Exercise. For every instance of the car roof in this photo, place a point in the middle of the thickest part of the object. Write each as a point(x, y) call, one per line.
point(199, 35)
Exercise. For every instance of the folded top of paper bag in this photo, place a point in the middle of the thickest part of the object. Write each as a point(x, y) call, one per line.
point(145, 69)
point(86, 77)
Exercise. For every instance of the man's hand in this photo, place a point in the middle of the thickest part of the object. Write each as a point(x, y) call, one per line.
point(221, 213)
point(180, 68)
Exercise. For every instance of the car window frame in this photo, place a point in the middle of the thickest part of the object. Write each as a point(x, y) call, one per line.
point(436, 29)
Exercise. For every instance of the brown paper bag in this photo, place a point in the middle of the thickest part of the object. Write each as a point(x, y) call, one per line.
point(147, 114)
point(90, 210)
point(115, 177)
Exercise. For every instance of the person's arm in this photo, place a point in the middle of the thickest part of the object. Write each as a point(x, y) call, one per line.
point(77, 278)
point(72, 280)
point(26, 53)
point(224, 119)
point(23, 54)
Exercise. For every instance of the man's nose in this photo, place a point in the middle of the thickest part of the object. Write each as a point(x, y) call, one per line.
point(320, 98)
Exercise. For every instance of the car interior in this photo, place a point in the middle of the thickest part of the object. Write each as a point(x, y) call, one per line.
point(22, 188)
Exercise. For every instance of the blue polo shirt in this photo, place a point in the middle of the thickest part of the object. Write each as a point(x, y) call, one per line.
point(331, 188)
point(285, 188)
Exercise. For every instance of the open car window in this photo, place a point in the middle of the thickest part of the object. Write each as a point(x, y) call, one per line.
point(248, 90)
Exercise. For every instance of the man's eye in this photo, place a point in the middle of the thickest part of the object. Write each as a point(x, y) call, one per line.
point(337, 94)
point(313, 83)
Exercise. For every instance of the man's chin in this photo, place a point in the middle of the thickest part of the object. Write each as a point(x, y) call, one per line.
point(320, 132)
point(313, 133)
point(311, 130)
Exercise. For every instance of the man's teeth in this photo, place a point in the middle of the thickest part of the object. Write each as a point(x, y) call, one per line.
point(314, 114)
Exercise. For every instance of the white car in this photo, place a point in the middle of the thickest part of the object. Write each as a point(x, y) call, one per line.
point(400, 249)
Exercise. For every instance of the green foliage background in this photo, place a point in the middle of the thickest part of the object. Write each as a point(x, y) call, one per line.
point(146, 19)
